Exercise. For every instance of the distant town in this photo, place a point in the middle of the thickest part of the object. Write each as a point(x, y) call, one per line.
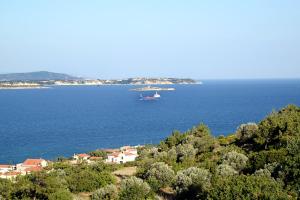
point(46, 79)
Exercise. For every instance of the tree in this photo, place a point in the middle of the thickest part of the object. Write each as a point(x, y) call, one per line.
point(200, 131)
point(236, 160)
point(185, 151)
point(160, 175)
point(192, 182)
point(175, 139)
point(86, 180)
point(61, 194)
point(247, 187)
point(290, 172)
point(246, 132)
point(6, 187)
point(98, 153)
point(275, 129)
point(134, 189)
point(108, 192)
point(226, 170)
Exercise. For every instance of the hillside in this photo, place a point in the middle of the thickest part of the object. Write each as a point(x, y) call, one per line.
point(36, 76)
point(259, 161)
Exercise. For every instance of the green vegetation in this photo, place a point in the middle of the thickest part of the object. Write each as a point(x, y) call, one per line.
point(259, 161)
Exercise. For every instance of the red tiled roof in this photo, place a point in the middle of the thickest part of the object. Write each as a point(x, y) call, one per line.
point(34, 169)
point(33, 162)
point(6, 166)
point(13, 173)
point(114, 154)
point(82, 155)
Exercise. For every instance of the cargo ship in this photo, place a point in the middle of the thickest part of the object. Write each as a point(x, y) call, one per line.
point(149, 98)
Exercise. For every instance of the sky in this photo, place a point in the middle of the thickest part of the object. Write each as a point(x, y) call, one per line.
point(203, 39)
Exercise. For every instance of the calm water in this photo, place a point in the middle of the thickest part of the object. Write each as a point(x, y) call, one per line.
point(64, 120)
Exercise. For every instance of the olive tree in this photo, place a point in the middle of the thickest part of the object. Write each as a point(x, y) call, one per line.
point(226, 170)
point(134, 188)
point(185, 151)
point(192, 176)
point(108, 192)
point(236, 160)
point(246, 131)
point(160, 175)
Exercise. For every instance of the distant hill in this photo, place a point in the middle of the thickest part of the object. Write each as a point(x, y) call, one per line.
point(36, 76)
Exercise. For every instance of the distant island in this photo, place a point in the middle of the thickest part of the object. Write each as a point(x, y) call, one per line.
point(36, 76)
point(44, 79)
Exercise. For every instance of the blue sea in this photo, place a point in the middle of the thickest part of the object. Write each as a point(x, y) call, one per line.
point(60, 121)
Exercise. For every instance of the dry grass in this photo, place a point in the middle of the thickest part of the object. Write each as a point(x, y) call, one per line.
point(126, 171)
point(83, 196)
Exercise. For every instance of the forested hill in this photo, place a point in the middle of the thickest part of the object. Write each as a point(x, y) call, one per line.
point(36, 76)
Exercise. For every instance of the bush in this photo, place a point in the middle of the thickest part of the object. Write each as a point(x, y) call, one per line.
point(192, 183)
point(186, 152)
point(109, 192)
point(134, 189)
point(247, 187)
point(236, 160)
point(160, 175)
point(226, 170)
point(87, 180)
point(61, 195)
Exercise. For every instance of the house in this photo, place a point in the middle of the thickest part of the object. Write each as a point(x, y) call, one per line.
point(123, 155)
point(30, 165)
point(81, 156)
point(35, 162)
point(6, 168)
point(33, 169)
point(10, 175)
point(129, 149)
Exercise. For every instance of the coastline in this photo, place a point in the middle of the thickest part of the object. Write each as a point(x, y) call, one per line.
point(57, 85)
point(23, 88)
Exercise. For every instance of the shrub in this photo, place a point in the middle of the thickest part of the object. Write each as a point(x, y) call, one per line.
point(160, 175)
point(108, 192)
point(134, 189)
point(226, 170)
point(236, 160)
point(192, 176)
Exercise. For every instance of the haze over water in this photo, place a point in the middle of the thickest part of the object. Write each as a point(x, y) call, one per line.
point(61, 121)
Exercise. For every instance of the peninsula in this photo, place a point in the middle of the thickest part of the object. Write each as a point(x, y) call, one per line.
point(46, 79)
point(20, 85)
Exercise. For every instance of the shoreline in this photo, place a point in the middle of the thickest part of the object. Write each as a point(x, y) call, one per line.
point(22, 88)
point(99, 85)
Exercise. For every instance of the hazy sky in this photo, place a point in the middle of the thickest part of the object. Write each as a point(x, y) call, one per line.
point(126, 38)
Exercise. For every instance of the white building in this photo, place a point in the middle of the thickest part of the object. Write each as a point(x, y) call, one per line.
point(30, 165)
point(10, 175)
point(125, 154)
point(6, 168)
point(27, 167)
point(81, 157)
